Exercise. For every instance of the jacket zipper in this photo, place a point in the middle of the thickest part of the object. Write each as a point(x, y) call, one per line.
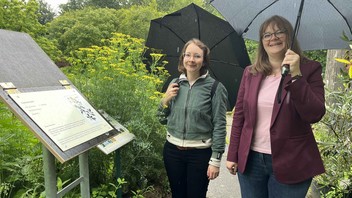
point(186, 104)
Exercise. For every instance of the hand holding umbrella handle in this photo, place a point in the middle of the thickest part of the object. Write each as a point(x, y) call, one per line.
point(285, 70)
point(170, 93)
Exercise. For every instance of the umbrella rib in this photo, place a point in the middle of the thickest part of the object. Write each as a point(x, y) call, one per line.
point(219, 61)
point(344, 18)
point(161, 24)
point(197, 22)
point(246, 29)
point(234, 31)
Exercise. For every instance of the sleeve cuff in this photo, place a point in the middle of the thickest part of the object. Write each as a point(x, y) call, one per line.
point(215, 162)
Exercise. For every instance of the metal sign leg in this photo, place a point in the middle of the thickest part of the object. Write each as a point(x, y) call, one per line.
point(49, 173)
point(84, 173)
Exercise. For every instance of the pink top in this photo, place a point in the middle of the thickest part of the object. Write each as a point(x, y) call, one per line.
point(266, 99)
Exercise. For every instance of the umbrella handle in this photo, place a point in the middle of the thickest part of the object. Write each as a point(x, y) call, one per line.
point(285, 70)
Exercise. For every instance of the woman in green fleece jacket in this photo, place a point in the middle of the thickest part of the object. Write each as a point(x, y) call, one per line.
point(194, 109)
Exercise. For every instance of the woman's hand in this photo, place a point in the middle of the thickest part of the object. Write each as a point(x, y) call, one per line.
point(232, 167)
point(292, 59)
point(213, 172)
point(171, 92)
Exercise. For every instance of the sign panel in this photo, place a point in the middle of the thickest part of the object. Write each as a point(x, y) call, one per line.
point(64, 115)
point(123, 136)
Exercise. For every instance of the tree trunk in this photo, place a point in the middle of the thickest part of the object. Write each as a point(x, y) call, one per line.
point(333, 67)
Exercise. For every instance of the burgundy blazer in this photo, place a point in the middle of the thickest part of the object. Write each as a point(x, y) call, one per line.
point(295, 154)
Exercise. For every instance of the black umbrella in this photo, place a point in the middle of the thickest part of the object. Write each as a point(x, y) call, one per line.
point(228, 56)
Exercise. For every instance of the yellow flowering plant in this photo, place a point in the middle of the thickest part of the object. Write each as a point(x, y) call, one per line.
point(115, 79)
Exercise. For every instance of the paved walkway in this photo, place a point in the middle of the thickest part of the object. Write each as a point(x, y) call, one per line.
point(226, 185)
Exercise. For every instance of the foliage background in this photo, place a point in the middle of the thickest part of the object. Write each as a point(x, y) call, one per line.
point(334, 136)
point(114, 78)
point(100, 46)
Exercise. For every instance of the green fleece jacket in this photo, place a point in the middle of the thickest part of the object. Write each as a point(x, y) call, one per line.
point(194, 115)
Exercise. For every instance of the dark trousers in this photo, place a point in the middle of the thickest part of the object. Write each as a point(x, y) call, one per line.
point(258, 180)
point(187, 171)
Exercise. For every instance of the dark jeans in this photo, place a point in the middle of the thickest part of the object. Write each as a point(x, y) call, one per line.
point(187, 171)
point(258, 180)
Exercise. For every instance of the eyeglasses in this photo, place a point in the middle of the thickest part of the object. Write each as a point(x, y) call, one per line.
point(189, 56)
point(278, 34)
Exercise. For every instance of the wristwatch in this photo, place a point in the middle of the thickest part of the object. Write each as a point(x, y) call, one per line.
point(218, 156)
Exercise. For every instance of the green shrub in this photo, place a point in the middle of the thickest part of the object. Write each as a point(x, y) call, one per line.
point(20, 161)
point(115, 79)
point(334, 136)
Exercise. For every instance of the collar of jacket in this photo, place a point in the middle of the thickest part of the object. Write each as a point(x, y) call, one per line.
point(183, 77)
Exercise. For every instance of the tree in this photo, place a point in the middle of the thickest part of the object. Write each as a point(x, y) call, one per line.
point(104, 4)
point(135, 21)
point(83, 28)
point(46, 13)
point(71, 5)
point(115, 4)
point(22, 16)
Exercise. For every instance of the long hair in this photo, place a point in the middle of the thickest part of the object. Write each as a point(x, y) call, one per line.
point(262, 64)
point(206, 58)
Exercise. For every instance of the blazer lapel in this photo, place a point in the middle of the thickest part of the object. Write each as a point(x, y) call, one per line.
point(277, 105)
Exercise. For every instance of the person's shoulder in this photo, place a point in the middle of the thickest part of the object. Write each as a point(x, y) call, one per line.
point(307, 61)
point(249, 70)
point(213, 81)
point(209, 79)
point(309, 66)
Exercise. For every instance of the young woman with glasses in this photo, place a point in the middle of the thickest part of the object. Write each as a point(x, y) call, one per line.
point(272, 146)
point(196, 124)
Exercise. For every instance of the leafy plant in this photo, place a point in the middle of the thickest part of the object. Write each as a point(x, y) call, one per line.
point(26, 175)
point(105, 191)
point(20, 151)
point(139, 193)
point(115, 79)
point(334, 136)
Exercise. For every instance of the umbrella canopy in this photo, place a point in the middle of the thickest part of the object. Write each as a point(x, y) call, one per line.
point(321, 24)
point(228, 54)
